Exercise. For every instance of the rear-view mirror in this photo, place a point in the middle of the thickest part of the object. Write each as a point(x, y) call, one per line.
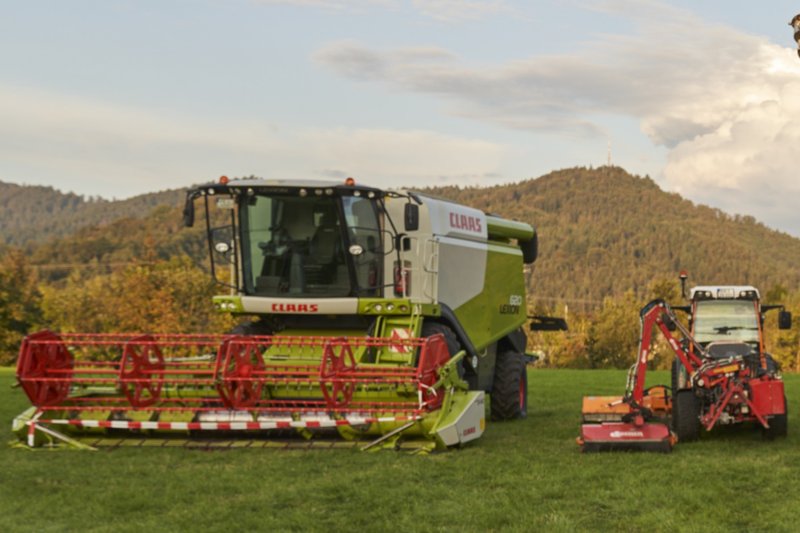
point(785, 320)
point(188, 211)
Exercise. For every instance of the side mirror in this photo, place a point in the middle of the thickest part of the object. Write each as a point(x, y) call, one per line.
point(188, 211)
point(785, 320)
point(530, 249)
point(411, 217)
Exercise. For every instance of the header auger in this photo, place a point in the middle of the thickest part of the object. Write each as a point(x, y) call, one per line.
point(382, 316)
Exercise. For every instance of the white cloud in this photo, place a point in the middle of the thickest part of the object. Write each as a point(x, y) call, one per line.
point(457, 10)
point(723, 102)
point(441, 10)
point(116, 150)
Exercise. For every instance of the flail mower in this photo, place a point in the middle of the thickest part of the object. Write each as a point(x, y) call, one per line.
point(721, 375)
point(378, 316)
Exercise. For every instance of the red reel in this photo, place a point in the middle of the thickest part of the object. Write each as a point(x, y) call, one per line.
point(435, 353)
point(336, 389)
point(45, 369)
point(142, 360)
point(240, 388)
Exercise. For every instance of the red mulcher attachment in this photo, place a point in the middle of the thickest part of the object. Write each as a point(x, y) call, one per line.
point(229, 383)
point(636, 421)
point(619, 423)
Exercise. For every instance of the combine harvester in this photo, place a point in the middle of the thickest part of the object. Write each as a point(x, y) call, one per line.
point(379, 315)
point(721, 375)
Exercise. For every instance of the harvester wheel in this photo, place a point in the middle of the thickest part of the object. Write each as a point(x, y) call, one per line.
point(432, 328)
point(509, 398)
point(250, 328)
point(778, 425)
point(686, 415)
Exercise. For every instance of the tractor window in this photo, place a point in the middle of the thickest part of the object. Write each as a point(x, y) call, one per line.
point(726, 320)
point(294, 246)
point(366, 247)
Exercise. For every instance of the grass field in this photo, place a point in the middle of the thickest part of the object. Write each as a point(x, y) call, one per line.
point(521, 476)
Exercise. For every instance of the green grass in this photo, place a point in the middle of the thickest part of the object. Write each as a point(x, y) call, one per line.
point(524, 476)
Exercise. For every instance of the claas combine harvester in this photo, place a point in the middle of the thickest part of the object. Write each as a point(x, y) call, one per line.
point(381, 316)
point(721, 374)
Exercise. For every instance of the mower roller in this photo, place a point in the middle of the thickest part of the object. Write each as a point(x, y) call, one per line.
point(367, 314)
point(716, 379)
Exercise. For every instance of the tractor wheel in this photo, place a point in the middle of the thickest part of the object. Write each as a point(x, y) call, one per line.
point(686, 415)
point(772, 365)
point(509, 398)
point(680, 378)
point(778, 425)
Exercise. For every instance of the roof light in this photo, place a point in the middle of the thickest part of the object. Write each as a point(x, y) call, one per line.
point(350, 182)
point(223, 180)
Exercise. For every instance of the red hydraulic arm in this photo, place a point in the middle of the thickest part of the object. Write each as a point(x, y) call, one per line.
point(658, 313)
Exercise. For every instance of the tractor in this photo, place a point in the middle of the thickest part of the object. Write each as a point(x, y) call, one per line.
point(726, 323)
point(721, 375)
point(374, 315)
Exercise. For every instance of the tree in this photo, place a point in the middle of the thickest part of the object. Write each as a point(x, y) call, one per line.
point(20, 301)
point(614, 334)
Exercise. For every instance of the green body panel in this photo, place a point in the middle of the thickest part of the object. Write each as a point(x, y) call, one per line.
point(500, 308)
point(500, 228)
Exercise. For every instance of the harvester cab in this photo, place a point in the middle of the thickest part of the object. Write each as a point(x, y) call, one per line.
point(721, 375)
point(371, 314)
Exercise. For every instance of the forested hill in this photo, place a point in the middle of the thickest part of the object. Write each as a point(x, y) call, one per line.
point(31, 214)
point(603, 231)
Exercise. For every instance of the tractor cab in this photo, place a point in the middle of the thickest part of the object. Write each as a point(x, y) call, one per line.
point(727, 320)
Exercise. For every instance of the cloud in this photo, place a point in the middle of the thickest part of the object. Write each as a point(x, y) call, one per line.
point(441, 10)
point(115, 150)
point(721, 101)
point(459, 10)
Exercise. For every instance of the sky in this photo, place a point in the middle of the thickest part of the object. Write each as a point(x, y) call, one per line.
point(121, 97)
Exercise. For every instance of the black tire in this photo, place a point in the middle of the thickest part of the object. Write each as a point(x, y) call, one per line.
point(686, 415)
point(679, 376)
point(432, 328)
point(509, 398)
point(250, 328)
point(772, 365)
point(778, 425)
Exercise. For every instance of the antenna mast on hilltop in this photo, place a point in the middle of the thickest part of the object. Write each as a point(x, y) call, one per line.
point(609, 152)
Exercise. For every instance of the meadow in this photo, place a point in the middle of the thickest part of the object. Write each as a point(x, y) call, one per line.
point(524, 475)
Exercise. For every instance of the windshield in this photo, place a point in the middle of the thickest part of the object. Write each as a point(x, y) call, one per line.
point(310, 246)
point(726, 320)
